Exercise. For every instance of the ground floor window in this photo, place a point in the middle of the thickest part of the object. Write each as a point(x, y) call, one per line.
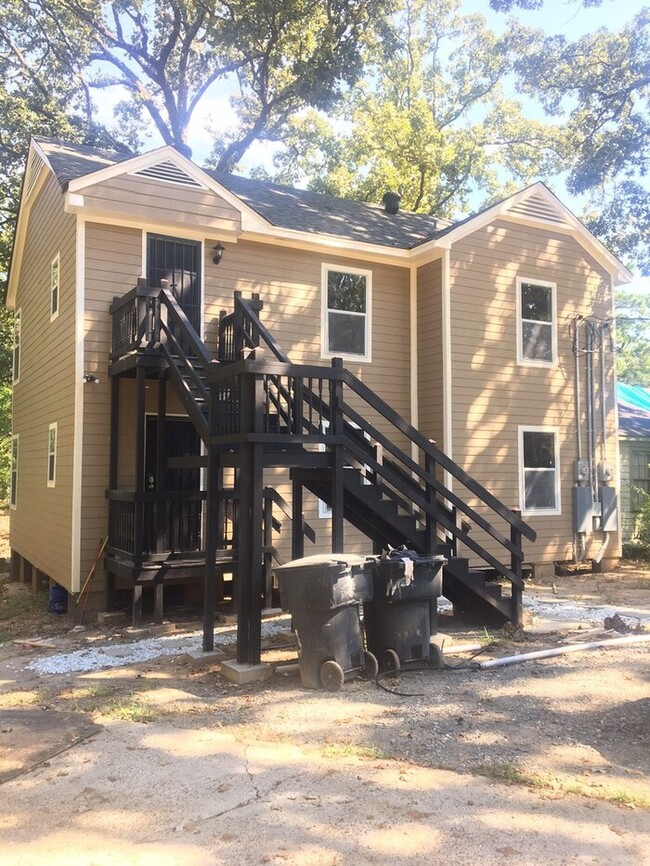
point(639, 477)
point(539, 470)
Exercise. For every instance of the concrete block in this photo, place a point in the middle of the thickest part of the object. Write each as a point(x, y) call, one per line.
point(199, 660)
point(242, 674)
point(111, 617)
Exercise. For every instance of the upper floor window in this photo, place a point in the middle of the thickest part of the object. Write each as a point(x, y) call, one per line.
point(16, 347)
point(55, 270)
point(346, 297)
point(539, 470)
point(536, 337)
point(13, 480)
point(51, 455)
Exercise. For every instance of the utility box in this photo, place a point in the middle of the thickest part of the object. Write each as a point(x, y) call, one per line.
point(609, 509)
point(583, 510)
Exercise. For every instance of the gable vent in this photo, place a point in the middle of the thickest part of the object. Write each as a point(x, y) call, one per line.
point(168, 172)
point(33, 170)
point(539, 208)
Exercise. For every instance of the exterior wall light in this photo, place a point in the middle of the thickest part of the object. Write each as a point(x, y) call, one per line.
point(88, 377)
point(217, 253)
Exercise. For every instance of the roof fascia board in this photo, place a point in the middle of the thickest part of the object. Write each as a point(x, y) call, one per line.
point(24, 212)
point(500, 211)
point(96, 215)
point(169, 153)
point(330, 244)
point(584, 237)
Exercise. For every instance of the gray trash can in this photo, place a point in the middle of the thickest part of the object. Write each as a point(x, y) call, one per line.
point(402, 616)
point(323, 594)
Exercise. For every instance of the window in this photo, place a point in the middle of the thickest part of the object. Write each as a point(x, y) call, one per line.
point(346, 313)
point(639, 477)
point(536, 337)
point(54, 286)
point(16, 348)
point(51, 455)
point(13, 481)
point(539, 470)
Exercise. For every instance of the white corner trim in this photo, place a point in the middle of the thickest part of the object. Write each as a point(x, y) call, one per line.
point(77, 452)
point(413, 334)
point(447, 402)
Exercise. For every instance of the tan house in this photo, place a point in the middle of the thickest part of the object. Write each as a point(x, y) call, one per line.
point(213, 372)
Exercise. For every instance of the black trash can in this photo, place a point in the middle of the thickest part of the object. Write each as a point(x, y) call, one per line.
point(323, 594)
point(402, 615)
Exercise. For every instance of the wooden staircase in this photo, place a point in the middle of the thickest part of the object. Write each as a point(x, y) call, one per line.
point(256, 409)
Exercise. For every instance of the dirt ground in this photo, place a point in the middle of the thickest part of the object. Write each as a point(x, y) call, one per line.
point(502, 750)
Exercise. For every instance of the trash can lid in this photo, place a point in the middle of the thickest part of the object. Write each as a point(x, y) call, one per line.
point(324, 560)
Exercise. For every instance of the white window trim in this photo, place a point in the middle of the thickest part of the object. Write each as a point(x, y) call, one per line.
point(531, 362)
point(13, 472)
point(342, 269)
point(51, 482)
point(549, 512)
point(17, 345)
point(55, 266)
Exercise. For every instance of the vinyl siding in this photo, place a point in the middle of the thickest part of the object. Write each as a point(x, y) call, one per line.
point(137, 198)
point(492, 394)
point(430, 352)
point(41, 527)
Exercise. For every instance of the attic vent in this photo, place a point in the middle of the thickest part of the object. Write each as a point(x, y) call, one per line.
point(33, 170)
point(168, 172)
point(539, 208)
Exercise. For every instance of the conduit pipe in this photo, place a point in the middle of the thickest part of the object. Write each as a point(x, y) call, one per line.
point(558, 651)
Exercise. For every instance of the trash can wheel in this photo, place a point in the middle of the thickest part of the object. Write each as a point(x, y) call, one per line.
point(390, 661)
point(371, 666)
point(331, 675)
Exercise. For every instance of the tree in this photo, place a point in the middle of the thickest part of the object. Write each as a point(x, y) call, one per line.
point(633, 337)
point(429, 120)
point(166, 55)
point(598, 86)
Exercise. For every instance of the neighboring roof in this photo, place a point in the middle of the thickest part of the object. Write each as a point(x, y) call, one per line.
point(281, 206)
point(633, 410)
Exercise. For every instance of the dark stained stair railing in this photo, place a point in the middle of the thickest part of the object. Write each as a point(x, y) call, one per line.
point(253, 408)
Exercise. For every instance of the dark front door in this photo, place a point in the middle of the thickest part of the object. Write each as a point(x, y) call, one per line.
point(179, 262)
point(179, 530)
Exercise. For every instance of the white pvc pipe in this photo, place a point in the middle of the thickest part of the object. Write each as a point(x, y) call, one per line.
point(573, 648)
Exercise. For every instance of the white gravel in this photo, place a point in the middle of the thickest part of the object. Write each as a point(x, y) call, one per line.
point(114, 655)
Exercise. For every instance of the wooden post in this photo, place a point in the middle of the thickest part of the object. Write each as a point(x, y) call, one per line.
point(297, 535)
point(161, 463)
point(430, 496)
point(250, 541)
point(212, 534)
point(268, 555)
point(138, 546)
point(336, 429)
point(158, 601)
point(516, 566)
point(136, 616)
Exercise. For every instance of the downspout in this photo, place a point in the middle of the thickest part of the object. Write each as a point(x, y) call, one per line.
point(414, 359)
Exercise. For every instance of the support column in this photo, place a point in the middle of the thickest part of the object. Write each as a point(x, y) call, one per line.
point(250, 545)
point(336, 428)
point(212, 534)
point(297, 534)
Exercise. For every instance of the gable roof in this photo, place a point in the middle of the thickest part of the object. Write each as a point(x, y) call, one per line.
point(280, 206)
point(298, 217)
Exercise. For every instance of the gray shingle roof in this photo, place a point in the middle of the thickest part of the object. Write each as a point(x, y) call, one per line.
point(282, 206)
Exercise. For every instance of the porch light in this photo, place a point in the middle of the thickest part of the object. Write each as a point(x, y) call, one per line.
point(88, 377)
point(217, 253)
